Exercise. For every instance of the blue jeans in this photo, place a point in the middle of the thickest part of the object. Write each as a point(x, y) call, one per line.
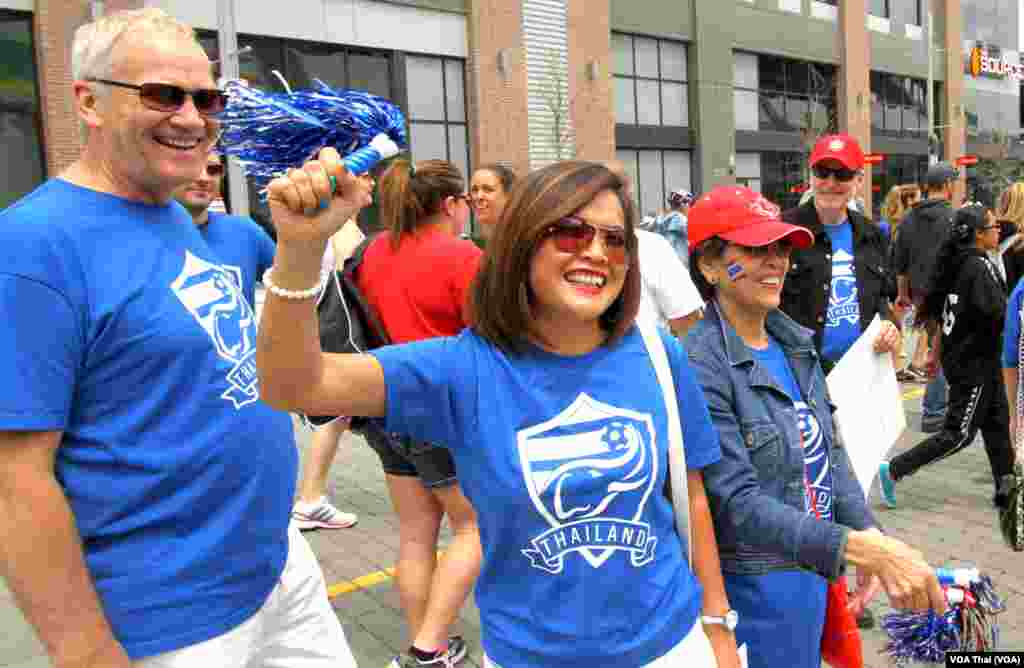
point(933, 407)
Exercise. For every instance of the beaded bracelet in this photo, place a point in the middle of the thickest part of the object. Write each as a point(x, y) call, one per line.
point(295, 294)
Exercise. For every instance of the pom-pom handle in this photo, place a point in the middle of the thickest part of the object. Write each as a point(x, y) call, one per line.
point(380, 148)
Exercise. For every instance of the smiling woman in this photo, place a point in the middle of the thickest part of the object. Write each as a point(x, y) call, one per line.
point(788, 512)
point(554, 415)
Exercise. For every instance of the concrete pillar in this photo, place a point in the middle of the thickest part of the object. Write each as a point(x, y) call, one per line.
point(590, 78)
point(855, 80)
point(711, 104)
point(497, 100)
point(954, 137)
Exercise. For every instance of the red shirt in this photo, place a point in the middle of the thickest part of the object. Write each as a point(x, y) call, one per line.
point(419, 291)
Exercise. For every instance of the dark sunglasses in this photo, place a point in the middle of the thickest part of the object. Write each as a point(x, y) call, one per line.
point(841, 173)
point(169, 98)
point(215, 170)
point(780, 247)
point(572, 235)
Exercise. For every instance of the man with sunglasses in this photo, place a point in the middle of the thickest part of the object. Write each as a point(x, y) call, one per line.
point(921, 233)
point(145, 488)
point(837, 286)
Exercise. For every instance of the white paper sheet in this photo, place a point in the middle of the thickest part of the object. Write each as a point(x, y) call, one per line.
point(864, 387)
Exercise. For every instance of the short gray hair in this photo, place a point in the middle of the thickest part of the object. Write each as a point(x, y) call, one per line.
point(92, 50)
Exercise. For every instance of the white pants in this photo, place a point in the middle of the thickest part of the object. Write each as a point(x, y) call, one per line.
point(693, 651)
point(295, 628)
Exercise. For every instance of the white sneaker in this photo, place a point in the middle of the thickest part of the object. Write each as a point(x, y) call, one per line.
point(321, 515)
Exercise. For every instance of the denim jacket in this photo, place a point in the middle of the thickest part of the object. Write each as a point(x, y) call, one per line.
point(757, 489)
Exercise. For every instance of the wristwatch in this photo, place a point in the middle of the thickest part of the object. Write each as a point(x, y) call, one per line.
point(729, 620)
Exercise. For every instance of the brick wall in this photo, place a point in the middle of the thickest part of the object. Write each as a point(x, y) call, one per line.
point(55, 25)
point(496, 102)
point(589, 33)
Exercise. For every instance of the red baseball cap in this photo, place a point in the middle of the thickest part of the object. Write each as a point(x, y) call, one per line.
point(841, 147)
point(743, 217)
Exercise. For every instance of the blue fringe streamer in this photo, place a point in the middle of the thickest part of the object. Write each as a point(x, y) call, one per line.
point(269, 133)
point(925, 637)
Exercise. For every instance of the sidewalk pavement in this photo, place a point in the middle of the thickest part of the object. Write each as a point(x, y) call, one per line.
point(945, 511)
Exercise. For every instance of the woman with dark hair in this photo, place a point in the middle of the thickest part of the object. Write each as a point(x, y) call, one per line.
point(789, 514)
point(554, 414)
point(967, 302)
point(489, 190)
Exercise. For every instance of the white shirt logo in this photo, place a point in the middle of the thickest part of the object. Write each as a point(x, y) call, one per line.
point(213, 295)
point(590, 471)
point(836, 145)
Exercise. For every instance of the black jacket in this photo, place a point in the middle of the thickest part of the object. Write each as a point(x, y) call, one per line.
point(972, 321)
point(808, 286)
point(917, 242)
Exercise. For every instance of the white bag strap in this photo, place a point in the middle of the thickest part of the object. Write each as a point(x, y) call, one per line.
point(676, 449)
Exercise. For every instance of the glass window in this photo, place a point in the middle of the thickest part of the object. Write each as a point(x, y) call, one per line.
point(625, 101)
point(674, 105)
point(879, 8)
point(745, 103)
point(458, 148)
point(654, 173)
point(20, 139)
point(782, 177)
point(437, 110)
point(657, 94)
point(646, 57)
point(744, 70)
point(906, 11)
point(648, 103)
point(258, 65)
point(771, 73)
point(370, 72)
point(427, 141)
point(673, 61)
point(798, 78)
point(772, 111)
point(622, 47)
point(426, 88)
point(454, 87)
point(306, 62)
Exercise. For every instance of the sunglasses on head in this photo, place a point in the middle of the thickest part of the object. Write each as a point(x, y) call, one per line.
point(215, 170)
point(572, 235)
point(169, 98)
point(841, 173)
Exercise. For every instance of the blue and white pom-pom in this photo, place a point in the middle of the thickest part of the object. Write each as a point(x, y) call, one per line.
point(269, 133)
point(969, 624)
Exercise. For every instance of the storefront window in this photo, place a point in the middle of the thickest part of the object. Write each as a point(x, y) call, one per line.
point(895, 170)
point(879, 8)
point(20, 138)
point(782, 177)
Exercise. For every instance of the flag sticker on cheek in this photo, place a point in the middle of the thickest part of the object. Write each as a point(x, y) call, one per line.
point(734, 270)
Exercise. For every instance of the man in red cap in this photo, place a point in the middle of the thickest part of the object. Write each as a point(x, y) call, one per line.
point(838, 285)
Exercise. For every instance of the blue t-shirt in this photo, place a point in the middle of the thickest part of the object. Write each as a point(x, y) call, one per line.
point(565, 462)
point(816, 460)
point(243, 248)
point(126, 334)
point(1011, 329)
point(842, 317)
